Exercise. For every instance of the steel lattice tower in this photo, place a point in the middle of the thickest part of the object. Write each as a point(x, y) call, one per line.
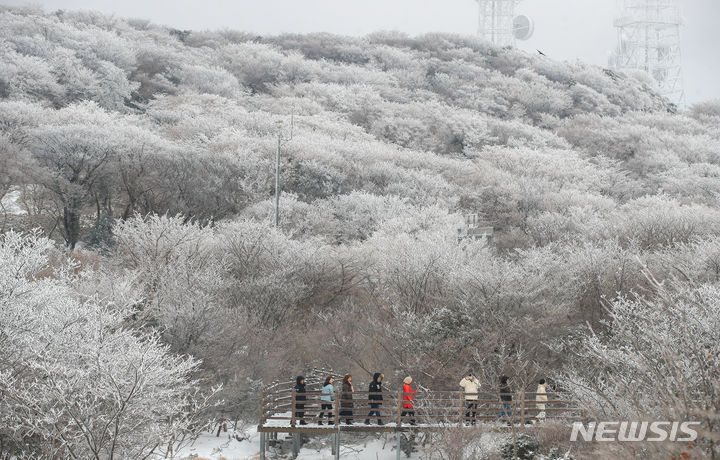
point(649, 40)
point(496, 21)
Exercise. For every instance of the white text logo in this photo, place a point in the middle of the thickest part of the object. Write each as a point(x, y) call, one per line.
point(635, 431)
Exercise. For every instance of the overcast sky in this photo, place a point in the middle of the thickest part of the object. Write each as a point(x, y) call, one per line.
point(565, 29)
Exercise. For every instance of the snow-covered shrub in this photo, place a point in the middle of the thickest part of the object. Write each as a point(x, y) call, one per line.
point(522, 447)
point(657, 221)
point(706, 109)
point(210, 80)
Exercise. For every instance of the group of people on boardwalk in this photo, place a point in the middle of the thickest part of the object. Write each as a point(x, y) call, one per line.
point(469, 383)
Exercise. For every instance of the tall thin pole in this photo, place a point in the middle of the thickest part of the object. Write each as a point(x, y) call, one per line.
point(277, 182)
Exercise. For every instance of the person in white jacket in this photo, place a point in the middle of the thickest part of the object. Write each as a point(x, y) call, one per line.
point(540, 399)
point(470, 385)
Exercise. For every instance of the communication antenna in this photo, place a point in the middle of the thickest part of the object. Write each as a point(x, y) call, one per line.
point(649, 40)
point(523, 27)
point(498, 24)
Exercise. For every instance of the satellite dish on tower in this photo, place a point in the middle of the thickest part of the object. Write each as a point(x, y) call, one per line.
point(523, 27)
point(500, 25)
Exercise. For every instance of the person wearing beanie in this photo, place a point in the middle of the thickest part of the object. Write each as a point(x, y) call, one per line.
point(408, 397)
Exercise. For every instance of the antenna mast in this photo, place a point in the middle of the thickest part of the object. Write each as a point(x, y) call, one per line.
point(649, 40)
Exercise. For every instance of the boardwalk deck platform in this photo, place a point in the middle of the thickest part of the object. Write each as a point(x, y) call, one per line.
point(282, 410)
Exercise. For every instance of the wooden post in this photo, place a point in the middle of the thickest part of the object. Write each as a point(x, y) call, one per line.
point(399, 408)
point(522, 408)
point(262, 409)
point(292, 409)
point(462, 406)
point(337, 409)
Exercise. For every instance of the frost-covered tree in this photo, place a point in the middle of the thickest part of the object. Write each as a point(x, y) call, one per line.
point(75, 381)
point(178, 274)
point(656, 358)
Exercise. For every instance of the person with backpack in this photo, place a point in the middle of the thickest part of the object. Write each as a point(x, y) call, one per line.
point(408, 397)
point(346, 397)
point(328, 396)
point(375, 390)
point(470, 385)
point(300, 388)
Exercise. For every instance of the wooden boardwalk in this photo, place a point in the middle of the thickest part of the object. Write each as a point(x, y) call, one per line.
point(283, 410)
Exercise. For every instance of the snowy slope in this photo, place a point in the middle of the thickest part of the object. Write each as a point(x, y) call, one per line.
point(208, 446)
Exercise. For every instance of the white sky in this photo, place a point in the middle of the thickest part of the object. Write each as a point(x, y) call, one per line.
point(564, 29)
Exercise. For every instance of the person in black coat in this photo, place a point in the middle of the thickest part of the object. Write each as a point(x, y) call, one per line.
point(505, 397)
point(375, 390)
point(300, 388)
point(346, 397)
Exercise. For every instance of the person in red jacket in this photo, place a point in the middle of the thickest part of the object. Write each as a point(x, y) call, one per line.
point(408, 396)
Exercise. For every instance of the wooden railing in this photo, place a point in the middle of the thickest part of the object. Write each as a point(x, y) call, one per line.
point(283, 406)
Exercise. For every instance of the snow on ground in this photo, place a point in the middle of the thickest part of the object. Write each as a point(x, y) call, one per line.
point(226, 447)
point(9, 203)
point(373, 450)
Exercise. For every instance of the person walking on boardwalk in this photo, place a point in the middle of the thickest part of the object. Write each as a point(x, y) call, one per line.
point(505, 397)
point(408, 396)
point(540, 399)
point(328, 396)
point(470, 385)
point(346, 397)
point(375, 390)
point(300, 388)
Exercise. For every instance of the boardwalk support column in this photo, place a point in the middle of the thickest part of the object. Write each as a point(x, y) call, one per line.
point(296, 445)
point(337, 445)
point(262, 445)
point(399, 444)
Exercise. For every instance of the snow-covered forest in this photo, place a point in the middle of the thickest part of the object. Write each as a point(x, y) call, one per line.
point(144, 290)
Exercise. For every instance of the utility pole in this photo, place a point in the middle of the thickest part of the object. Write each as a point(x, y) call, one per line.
point(277, 181)
point(280, 141)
